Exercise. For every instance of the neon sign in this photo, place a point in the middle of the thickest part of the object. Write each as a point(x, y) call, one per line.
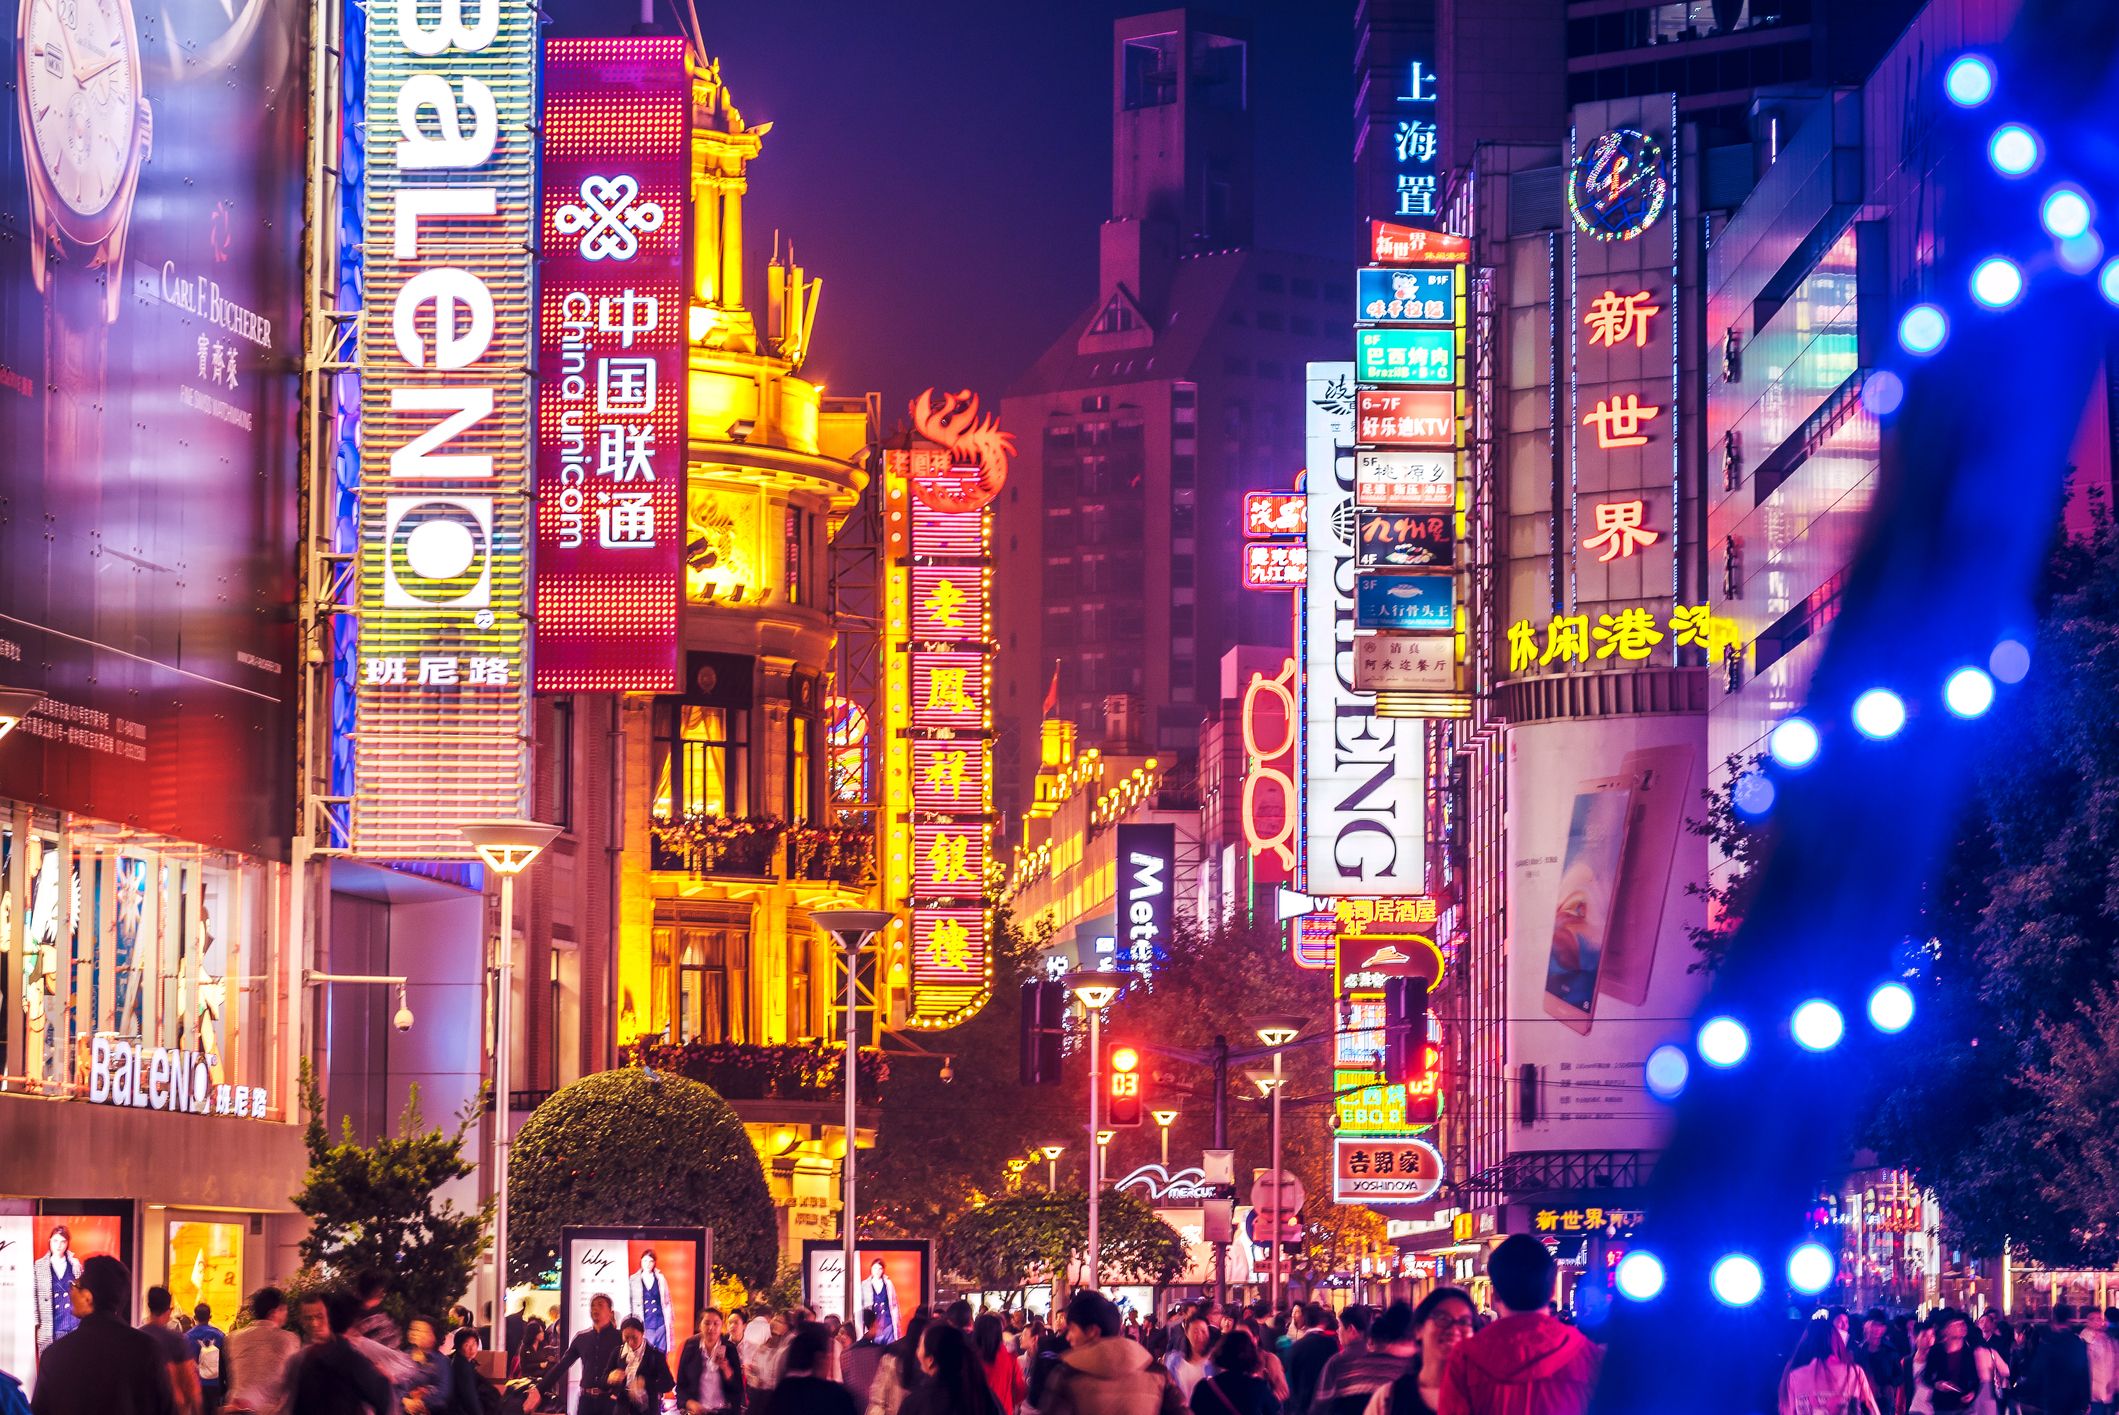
point(1275, 565)
point(1618, 186)
point(1406, 355)
point(442, 703)
point(1405, 417)
point(979, 452)
point(1266, 766)
point(611, 404)
point(1630, 635)
point(1393, 244)
point(1619, 529)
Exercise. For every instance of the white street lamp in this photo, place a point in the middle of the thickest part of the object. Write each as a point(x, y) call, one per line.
point(1096, 991)
point(1276, 1031)
point(1052, 1154)
point(1165, 1119)
point(853, 928)
point(506, 847)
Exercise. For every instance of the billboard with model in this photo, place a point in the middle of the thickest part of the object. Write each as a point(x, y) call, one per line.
point(1600, 972)
point(150, 357)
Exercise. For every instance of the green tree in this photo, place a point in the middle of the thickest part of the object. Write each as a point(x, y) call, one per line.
point(372, 1208)
point(944, 1145)
point(1003, 1245)
point(627, 1147)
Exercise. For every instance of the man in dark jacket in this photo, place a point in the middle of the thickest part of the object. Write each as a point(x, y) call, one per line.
point(469, 1392)
point(329, 1377)
point(858, 1363)
point(1529, 1362)
point(1318, 1344)
point(597, 1349)
point(710, 1369)
point(102, 1366)
point(2059, 1381)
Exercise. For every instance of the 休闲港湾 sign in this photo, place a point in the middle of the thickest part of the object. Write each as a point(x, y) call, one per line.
point(612, 335)
point(443, 693)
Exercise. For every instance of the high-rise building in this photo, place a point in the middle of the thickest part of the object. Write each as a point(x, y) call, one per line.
point(1171, 393)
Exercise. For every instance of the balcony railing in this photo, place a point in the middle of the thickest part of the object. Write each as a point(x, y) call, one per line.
point(764, 848)
point(742, 1072)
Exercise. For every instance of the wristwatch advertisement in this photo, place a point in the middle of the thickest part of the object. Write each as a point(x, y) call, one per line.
point(150, 354)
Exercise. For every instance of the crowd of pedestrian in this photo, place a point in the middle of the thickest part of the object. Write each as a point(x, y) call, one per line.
point(342, 1352)
point(1948, 1363)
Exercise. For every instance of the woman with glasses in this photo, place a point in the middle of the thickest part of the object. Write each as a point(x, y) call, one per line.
point(1443, 1318)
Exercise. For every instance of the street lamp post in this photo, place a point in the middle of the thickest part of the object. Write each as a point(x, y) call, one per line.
point(1052, 1154)
point(1103, 1149)
point(1096, 991)
point(853, 928)
point(1165, 1119)
point(1276, 1032)
point(506, 847)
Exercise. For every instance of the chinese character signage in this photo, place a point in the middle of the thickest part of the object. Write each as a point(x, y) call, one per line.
point(1404, 601)
point(1393, 244)
point(937, 740)
point(613, 302)
point(1404, 539)
point(1385, 1171)
point(1274, 564)
point(450, 242)
point(1405, 417)
point(1405, 481)
point(1274, 513)
point(1368, 1105)
point(1363, 965)
point(1427, 356)
point(1384, 295)
point(1384, 918)
point(1626, 633)
point(1405, 663)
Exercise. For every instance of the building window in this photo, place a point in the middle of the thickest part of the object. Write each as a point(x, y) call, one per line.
point(1183, 467)
point(795, 527)
point(1303, 289)
point(562, 804)
point(1269, 283)
point(798, 770)
point(702, 761)
point(709, 975)
point(1184, 395)
point(1151, 71)
point(1117, 318)
point(1097, 403)
point(1181, 571)
point(1302, 325)
point(1271, 320)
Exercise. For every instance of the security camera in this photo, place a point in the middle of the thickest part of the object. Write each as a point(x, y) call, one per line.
point(403, 1020)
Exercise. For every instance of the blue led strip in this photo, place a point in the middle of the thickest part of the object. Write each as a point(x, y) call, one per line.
point(345, 471)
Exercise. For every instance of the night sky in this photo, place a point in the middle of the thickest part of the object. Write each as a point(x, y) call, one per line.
point(943, 164)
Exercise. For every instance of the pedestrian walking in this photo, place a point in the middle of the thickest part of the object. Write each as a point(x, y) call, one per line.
point(427, 1392)
point(1003, 1372)
point(859, 1362)
point(1441, 1322)
point(596, 1350)
point(375, 1322)
point(1306, 1360)
point(255, 1368)
point(101, 1366)
point(1236, 1387)
point(899, 1374)
point(209, 1353)
point(2104, 1359)
point(1881, 1361)
point(1958, 1376)
point(955, 1384)
point(806, 1387)
point(1188, 1364)
point(710, 1369)
point(161, 1324)
point(642, 1376)
point(1823, 1378)
point(328, 1375)
point(1352, 1378)
point(1102, 1372)
point(1528, 1362)
point(2060, 1368)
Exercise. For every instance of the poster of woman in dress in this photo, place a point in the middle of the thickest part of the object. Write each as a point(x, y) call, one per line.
point(880, 1295)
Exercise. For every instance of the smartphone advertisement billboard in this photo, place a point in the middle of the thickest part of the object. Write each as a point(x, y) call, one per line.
point(1600, 864)
point(150, 357)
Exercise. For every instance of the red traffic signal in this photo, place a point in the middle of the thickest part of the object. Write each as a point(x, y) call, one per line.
point(1123, 1088)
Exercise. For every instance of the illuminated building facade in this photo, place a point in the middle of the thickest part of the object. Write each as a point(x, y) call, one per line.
point(1144, 424)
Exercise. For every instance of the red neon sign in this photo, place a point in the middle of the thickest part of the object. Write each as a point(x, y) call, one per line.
point(1405, 417)
point(1392, 244)
point(1275, 564)
point(612, 334)
point(1269, 811)
point(1276, 513)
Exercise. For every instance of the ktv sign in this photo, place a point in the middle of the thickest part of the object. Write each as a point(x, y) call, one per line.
point(1364, 785)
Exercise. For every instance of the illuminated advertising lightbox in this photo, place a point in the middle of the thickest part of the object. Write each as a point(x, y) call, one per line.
point(949, 957)
point(1368, 1105)
point(1406, 355)
point(1147, 893)
point(1385, 1171)
point(1363, 820)
point(445, 352)
point(662, 1276)
point(949, 861)
point(1405, 481)
point(150, 367)
point(948, 602)
point(894, 1277)
point(1405, 417)
point(951, 774)
point(1393, 244)
point(1405, 663)
point(1274, 513)
point(1269, 720)
point(1415, 296)
point(1311, 939)
point(1363, 965)
point(1275, 564)
point(1405, 540)
point(1404, 600)
point(949, 691)
point(613, 303)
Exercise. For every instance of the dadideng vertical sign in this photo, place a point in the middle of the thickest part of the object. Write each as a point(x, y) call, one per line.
point(447, 322)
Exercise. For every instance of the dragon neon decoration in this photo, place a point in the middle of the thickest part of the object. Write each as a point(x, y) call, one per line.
point(978, 450)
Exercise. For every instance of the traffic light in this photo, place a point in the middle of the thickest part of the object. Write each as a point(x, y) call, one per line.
point(1404, 1030)
point(1043, 1027)
point(1124, 1087)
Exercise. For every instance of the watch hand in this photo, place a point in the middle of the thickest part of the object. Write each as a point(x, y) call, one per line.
point(110, 63)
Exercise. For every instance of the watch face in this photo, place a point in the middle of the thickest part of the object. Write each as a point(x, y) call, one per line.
point(83, 97)
point(1618, 186)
